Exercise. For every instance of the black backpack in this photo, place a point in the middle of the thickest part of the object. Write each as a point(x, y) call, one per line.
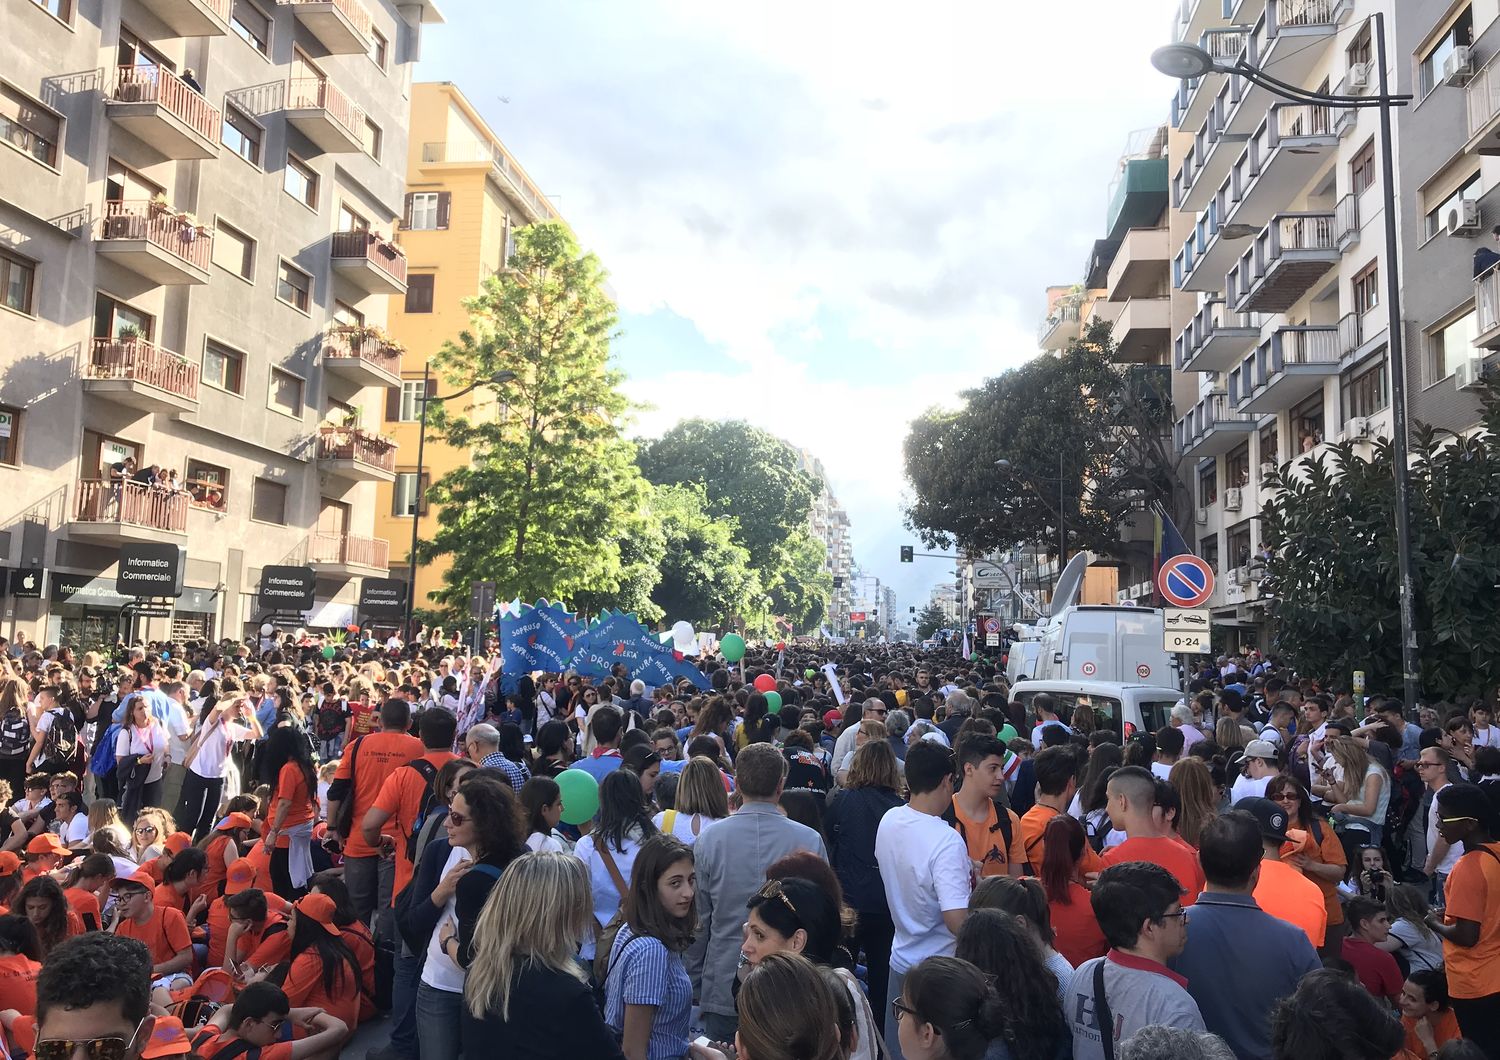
point(429, 799)
point(15, 736)
point(61, 741)
point(1002, 825)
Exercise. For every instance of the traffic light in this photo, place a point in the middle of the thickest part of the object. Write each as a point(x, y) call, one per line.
point(912, 609)
point(906, 553)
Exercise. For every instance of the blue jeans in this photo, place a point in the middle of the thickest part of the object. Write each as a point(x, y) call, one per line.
point(408, 973)
point(439, 1019)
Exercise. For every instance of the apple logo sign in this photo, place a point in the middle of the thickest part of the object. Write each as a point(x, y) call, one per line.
point(29, 582)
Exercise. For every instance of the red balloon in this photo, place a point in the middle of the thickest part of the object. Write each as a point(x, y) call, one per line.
point(765, 683)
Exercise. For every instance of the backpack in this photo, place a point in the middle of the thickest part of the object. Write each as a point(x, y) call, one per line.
point(102, 761)
point(429, 799)
point(331, 720)
point(210, 992)
point(1002, 825)
point(61, 740)
point(15, 736)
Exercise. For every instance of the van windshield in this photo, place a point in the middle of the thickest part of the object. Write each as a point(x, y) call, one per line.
point(1106, 708)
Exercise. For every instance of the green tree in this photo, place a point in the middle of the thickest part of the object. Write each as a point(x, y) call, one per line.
point(705, 575)
point(929, 620)
point(1332, 569)
point(552, 489)
point(800, 589)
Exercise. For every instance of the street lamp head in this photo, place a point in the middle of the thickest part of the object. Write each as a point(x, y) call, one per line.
point(1003, 464)
point(1183, 61)
point(502, 377)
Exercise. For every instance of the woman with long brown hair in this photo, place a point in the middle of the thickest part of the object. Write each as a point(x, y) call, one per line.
point(1075, 929)
point(1315, 852)
point(1200, 800)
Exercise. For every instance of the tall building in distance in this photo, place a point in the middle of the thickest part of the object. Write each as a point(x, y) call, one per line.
point(465, 197)
point(829, 524)
point(199, 199)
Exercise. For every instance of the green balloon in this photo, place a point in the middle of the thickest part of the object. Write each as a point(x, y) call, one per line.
point(809, 673)
point(328, 651)
point(732, 647)
point(773, 702)
point(580, 796)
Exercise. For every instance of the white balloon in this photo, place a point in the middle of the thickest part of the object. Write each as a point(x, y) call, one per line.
point(684, 639)
point(267, 629)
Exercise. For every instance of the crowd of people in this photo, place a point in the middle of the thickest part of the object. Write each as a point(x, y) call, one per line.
point(226, 849)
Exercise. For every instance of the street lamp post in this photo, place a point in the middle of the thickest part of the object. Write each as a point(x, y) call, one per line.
point(1188, 61)
point(1062, 525)
point(497, 379)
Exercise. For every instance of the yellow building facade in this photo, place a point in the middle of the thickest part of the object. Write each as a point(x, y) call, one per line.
point(465, 197)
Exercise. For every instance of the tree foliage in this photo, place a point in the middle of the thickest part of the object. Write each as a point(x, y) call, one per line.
point(929, 620)
point(552, 493)
point(705, 574)
point(1332, 568)
point(1086, 439)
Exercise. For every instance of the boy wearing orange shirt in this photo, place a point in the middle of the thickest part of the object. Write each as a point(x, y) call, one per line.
point(1056, 771)
point(163, 931)
point(253, 1025)
point(1132, 802)
point(401, 796)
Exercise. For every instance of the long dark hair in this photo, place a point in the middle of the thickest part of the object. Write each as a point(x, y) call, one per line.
point(54, 928)
point(998, 946)
point(1105, 757)
point(497, 816)
point(962, 1003)
point(536, 795)
point(622, 809)
point(333, 954)
point(641, 904)
point(512, 745)
point(287, 743)
point(1063, 839)
point(19, 936)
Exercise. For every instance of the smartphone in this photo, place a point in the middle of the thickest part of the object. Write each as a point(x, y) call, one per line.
point(702, 1040)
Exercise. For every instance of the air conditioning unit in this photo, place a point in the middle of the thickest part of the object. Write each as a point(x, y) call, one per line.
point(1267, 468)
point(1239, 576)
point(1356, 428)
point(1233, 499)
point(1202, 516)
point(1458, 67)
point(1468, 374)
point(1464, 219)
point(1358, 77)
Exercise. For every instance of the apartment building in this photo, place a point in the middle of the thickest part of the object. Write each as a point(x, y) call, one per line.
point(1285, 258)
point(197, 199)
point(829, 525)
point(465, 197)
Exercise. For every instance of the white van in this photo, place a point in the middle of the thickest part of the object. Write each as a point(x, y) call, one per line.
point(1122, 708)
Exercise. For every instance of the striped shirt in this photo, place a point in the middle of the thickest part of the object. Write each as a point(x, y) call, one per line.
point(647, 973)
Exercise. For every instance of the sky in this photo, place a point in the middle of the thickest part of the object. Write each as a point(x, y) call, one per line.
point(821, 217)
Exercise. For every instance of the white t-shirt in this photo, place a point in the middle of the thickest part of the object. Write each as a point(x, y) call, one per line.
point(606, 896)
point(440, 972)
point(1248, 787)
point(1487, 737)
point(1161, 770)
point(75, 831)
point(149, 743)
point(1036, 733)
point(924, 866)
point(683, 825)
point(1455, 852)
point(214, 754)
point(552, 841)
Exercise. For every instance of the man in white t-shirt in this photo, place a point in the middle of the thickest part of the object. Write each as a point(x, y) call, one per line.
point(925, 869)
point(1260, 766)
point(1046, 714)
point(1432, 767)
point(72, 823)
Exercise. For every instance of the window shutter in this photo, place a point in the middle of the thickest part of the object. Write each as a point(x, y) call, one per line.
point(406, 212)
point(431, 388)
point(445, 199)
point(393, 404)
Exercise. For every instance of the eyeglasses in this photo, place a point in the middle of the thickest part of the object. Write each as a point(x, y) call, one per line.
point(110, 1048)
point(1428, 765)
point(900, 1008)
point(1180, 916)
point(1455, 820)
point(773, 889)
point(271, 1025)
point(145, 829)
point(458, 819)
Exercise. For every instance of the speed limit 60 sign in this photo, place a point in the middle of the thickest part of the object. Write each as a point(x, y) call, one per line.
point(1189, 643)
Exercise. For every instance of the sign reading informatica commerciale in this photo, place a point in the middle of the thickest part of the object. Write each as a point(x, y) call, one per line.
point(382, 596)
point(287, 588)
point(150, 570)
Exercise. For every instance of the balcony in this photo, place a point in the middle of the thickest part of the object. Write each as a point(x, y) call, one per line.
point(1297, 33)
point(507, 175)
point(1138, 196)
point(1143, 329)
point(158, 108)
point(1062, 326)
point(1210, 251)
point(1487, 309)
point(1214, 340)
point(142, 375)
point(319, 111)
point(1195, 16)
point(1286, 368)
point(347, 555)
point(356, 455)
point(341, 26)
point(356, 355)
point(118, 511)
point(1286, 152)
point(1212, 152)
point(1290, 255)
point(1482, 100)
point(152, 241)
point(373, 264)
point(1141, 265)
point(1211, 428)
point(1196, 96)
point(1101, 311)
point(192, 18)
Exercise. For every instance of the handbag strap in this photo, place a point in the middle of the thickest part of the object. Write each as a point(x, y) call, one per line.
point(609, 865)
point(1102, 1014)
point(668, 822)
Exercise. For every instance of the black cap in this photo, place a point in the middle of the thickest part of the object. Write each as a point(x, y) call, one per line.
point(1269, 815)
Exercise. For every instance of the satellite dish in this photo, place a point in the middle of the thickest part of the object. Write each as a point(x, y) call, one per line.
point(1070, 583)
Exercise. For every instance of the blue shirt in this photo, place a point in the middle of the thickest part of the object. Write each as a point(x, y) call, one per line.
point(517, 773)
point(600, 767)
point(160, 705)
point(647, 973)
point(266, 715)
point(1239, 962)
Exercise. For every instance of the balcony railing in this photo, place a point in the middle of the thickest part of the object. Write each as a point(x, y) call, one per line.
point(1285, 235)
point(1304, 12)
point(349, 549)
point(319, 93)
point(499, 160)
point(1212, 317)
point(1487, 308)
point(1062, 314)
point(132, 503)
point(1346, 219)
point(161, 227)
point(346, 345)
point(153, 84)
point(362, 447)
point(139, 361)
point(1351, 333)
point(1304, 345)
point(1302, 119)
point(358, 17)
point(382, 253)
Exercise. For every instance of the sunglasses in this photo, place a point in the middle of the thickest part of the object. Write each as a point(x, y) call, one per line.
point(1455, 820)
point(458, 819)
point(773, 889)
point(111, 1048)
point(145, 829)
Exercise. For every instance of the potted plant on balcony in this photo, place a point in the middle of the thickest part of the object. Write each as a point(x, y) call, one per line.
point(128, 334)
point(159, 205)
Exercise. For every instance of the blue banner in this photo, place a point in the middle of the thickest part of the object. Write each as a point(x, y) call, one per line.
point(616, 637)
point(541, 637)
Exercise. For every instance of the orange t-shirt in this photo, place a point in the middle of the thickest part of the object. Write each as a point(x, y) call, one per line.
point(168, 897)
point(357, 937)
point(1076, 929)
point(401, 797)
point(18, 983)
point(371, 759)
point(291, 785)
point(218, 868)
point(218, 933)
point(1171, 854)
point(1444, 1029)
point(209, 1041)
point(165, 934)
point(1288, 895)
point(1473, 893)
point(271, 947)
point(1329, 852)
point(85, 905)
point(304, 988)
point(1034, 826)
point(986, 843)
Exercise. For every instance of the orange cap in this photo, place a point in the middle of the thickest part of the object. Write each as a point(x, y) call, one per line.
point(139, 878)
point(168, 1038)
point(47, 843)
point(241, 877)
point(318, 908)
point(177, 842)
point(235, 820)
point(9, 863)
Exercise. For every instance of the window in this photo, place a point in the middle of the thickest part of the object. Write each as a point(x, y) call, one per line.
point(10, 435)
point(251, 25)
point(116, 320)
point(1362, 387)
point(1270, 450)
point(1449, 344)
point(132, 51)
point(286, 392)
point(1360, 51)
point(1238, 540)
point(1460, 31)
point(1237, 467)
point(293, 286)
point(17, 276)
point(406, 494)
point(419, 293)
point(1367, 288)
point(351, 220)
point(379, 48)
point(370, 141)
point(1208, 551)
point(28, 126)
point(233, 250)
point(427, 210)
point(207, 486)
point(1362, 168)
point(301, 181)
point(223, 368)
point(1437, 217)
point(409, 404)
point(241, 135)
point(1208, 485)
point(1307, 423)
point(59, 9)
point(268, 502)
point(345, 313)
